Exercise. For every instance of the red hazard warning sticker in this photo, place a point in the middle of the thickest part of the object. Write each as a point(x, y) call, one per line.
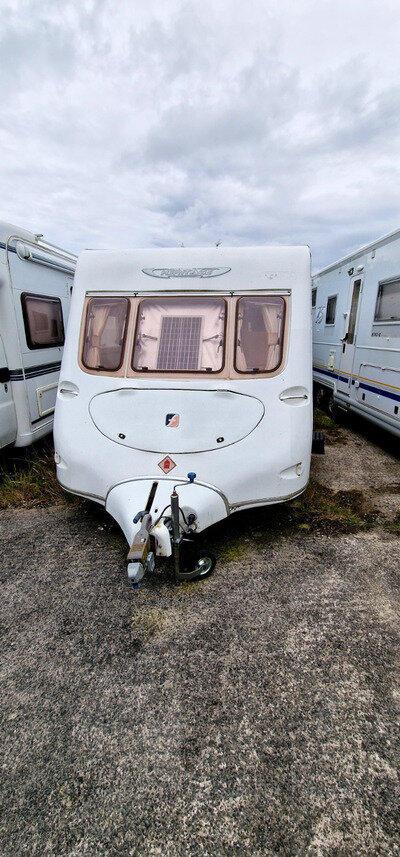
point(166, 464)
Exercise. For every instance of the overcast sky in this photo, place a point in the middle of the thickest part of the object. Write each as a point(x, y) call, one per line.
point(147, 123)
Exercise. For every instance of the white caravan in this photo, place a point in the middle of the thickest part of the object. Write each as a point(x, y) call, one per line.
point(356, 333)
point(35, 291)
point(185, 371)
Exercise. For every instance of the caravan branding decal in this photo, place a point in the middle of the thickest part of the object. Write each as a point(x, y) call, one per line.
point(169, 273)
point(172, 420)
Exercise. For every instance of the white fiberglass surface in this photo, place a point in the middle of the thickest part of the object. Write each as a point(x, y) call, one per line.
point(260, 325)
point(180, 335)
point(174, 420)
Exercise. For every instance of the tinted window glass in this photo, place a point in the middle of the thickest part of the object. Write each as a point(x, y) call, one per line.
point(259, 333)
point(331, 310)
point(43, 321)
point(388, 302)
point(180, 335)
point(314, 297)
point(353, 312)
point(106, 321)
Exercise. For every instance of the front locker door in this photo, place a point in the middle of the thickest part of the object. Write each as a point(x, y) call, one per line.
point(349, 340)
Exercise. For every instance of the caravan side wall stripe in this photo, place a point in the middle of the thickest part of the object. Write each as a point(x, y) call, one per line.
point(372, 389)
point(330, 373)
point(34, 371)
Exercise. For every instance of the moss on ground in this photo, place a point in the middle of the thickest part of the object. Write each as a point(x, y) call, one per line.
point(148, 624)
point(317, 509)
point(333, 511)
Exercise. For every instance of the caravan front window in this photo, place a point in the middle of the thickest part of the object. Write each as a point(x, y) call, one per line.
point(180, 335)
point(259, 333)
point(105, 331)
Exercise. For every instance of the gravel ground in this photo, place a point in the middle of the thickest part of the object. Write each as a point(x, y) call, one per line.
point(255, 713)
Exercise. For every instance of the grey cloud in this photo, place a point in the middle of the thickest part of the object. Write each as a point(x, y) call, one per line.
point(151, 124)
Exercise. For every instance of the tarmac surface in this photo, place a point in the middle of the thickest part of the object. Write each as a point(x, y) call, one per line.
point(254, 713)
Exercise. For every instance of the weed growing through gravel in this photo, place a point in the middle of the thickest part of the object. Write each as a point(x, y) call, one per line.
point(317, 509)
point(322, 422)
point(28, 477)
point(333, 511)
point(332, 430)
point(394, 526)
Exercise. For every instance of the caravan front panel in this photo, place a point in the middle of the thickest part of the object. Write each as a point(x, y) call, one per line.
point(187, 361)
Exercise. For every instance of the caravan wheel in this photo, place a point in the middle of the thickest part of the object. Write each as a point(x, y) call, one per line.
point(320, 396)
point(203, 562)
point(332, 407)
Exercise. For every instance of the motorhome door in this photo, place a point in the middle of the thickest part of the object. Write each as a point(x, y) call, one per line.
point(349, 339)
point(8, 419)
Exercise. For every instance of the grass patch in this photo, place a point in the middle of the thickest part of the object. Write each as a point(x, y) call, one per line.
point(28, 478)
point(393, 526)
point(322, 422)
point(333, 511)
point(333, 432)
point(317, 509)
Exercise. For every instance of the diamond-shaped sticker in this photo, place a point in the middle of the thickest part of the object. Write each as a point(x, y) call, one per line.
point(166, 464)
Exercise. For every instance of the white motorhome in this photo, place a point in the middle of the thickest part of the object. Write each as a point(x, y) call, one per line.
point(356, 333)
point(35, 292)
point(185, 370)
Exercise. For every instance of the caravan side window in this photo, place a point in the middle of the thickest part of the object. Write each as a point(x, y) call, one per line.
point(43, 320)
point(388, 302)
point(314, 297)
point(185, 334)
point(331, 310)
point(259, 333)
point(105, 332)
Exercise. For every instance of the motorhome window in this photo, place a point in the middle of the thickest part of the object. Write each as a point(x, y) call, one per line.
point(180, 335)
point(43, 320)
point(388, 302)
point(105, 331)
point(331, 310)
point(353, 312)
point(259, 333)
point(314, 298)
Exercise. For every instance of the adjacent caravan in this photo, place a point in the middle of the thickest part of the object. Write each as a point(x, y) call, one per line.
point(35, 292)
point(356, 333)
point(185, 391)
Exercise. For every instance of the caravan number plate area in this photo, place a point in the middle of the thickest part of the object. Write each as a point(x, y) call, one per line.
point(208, 419)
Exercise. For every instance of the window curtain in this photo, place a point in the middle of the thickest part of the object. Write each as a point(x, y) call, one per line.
point(98, 322)
point(272, 319)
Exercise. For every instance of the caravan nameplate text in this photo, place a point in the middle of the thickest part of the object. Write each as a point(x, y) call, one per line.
point(167, 273)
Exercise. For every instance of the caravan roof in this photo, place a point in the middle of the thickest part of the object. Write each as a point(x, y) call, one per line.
point(373, 245)
point(199, 269)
